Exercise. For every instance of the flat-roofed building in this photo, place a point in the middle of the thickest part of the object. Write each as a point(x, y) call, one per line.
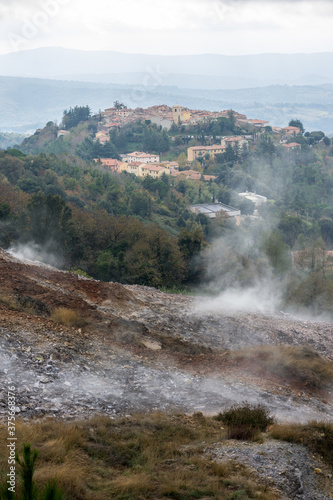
point(194, 152)
point(215, 210)
point(256, 198)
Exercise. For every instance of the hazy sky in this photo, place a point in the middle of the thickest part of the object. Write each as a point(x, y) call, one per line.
point(170, 26)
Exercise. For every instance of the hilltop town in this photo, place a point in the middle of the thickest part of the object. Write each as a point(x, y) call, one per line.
point(144, 164)
point(179, 143)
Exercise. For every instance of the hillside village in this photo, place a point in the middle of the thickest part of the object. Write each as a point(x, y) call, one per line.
point(143, 164)
point(215, 151)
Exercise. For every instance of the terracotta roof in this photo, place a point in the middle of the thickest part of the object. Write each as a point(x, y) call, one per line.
point(291, 145)
point(140, 154)
point(206, 148)
point(257, 121)
point(153, 168)
point(233, 139)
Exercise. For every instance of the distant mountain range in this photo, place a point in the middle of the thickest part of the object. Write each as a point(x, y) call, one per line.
point(190, 71)
point(274, 87)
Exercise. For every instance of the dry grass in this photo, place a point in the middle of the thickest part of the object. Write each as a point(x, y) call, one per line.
point(300, 365)
point(8, 300)
point(67, 317)
point(317, 436)
point(154, 456)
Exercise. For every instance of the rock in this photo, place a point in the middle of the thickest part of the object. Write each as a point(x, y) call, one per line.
point(150, 344)
point(45, 380)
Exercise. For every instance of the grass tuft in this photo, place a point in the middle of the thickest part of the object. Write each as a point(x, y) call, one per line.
point(67, 317)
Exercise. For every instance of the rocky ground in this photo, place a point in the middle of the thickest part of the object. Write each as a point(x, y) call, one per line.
point(136, 348)
point(290, 468)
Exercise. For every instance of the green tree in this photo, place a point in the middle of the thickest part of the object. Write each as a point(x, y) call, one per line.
point(229, 155)
point(119, 105)
point(141, 204)
point(190, 241)
point(277, 252)
point(297, 123)
point(50, 220)
point(231, 119)
point(5, 210)
point(246, 206)
point(30, 185)
point(28, 465)
point(72, 117)
point(291, 227)
point(11, 167)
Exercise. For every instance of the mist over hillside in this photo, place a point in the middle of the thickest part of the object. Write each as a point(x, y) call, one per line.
point(29, 103)
point(273, 87)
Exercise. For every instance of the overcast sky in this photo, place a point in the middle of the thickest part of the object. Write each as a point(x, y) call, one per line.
point(230, 27)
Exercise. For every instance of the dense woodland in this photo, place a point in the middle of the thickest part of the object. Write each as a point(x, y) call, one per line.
point(118, 227)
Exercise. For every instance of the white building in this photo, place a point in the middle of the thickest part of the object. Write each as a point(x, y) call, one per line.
point(141, 157)
point(256, 198)
point(213, 210)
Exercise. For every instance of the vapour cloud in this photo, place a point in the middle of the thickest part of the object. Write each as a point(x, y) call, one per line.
point(239, 275)
point(32, 252)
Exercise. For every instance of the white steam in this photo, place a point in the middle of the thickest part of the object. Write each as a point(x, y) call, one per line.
point(32, 252)
point(239, 275)
point(261, 298)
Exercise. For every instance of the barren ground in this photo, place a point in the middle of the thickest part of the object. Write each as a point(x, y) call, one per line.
point(136, 348)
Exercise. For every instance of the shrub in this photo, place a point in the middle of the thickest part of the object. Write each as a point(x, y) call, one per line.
point(79, 272)
point(244, 421)
point(67, 317)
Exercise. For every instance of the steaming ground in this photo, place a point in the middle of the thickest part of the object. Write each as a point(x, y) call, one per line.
point(32, 252)
point(139, 349)
point(121, 383)
point(260, 298)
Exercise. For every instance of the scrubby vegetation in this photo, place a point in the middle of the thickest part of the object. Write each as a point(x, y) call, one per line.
point(295, 365)
point(317, 436)
point(67, 317)
point(142, 457)
point(245, 421)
